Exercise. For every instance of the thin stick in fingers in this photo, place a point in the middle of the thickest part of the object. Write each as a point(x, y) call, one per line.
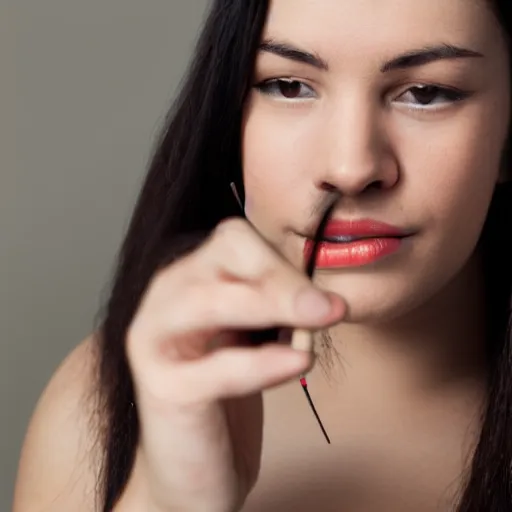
point(303, 339)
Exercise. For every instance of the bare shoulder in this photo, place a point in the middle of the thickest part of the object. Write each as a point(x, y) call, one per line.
point(60, 458)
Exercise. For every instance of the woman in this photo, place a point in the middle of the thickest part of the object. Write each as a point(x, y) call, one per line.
point(400, 107)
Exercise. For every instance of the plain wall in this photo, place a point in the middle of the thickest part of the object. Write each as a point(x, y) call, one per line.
point(84, 87)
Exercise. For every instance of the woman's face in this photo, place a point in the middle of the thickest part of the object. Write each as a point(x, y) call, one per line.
point(401, 105)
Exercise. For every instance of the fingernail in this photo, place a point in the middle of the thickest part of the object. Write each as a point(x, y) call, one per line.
point(312, 304)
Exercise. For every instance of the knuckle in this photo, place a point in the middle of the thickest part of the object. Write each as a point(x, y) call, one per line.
point(245, 370)
point(163, 275)
point(243, 251)
point(230, 227)
point(166, 296)
point(232, 380)
point(193, 297)
point(158, 280)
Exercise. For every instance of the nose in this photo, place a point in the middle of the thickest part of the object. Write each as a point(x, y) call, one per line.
point(359, 154)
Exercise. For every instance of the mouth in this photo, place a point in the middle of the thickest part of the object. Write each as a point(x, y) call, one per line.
point(359, 229)
point(355, 243)
point(346, 239)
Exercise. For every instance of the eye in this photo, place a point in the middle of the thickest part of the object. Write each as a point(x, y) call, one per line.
point(428, 96)
point(286, 88)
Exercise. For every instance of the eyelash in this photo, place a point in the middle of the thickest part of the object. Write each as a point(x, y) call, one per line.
point(451, 95)
point(266, 87)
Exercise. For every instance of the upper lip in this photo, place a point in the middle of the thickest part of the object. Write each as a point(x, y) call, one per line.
point(360, 228)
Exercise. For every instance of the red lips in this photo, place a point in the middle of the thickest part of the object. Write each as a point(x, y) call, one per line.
point(355, 243)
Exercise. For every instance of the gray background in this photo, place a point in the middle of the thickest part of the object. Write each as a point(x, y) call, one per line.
point(84, 87)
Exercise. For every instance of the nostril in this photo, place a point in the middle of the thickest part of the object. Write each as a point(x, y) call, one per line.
point(327, 187)
point(376, 185)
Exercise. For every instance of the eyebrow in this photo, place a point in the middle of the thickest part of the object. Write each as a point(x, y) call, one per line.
point(291, 52)
point(410, 59)
point(427, 55)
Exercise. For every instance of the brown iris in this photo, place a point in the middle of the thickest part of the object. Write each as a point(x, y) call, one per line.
point(289, 88)
point(425, 95)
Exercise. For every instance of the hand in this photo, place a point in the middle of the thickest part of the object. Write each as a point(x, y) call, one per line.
point(198, 382)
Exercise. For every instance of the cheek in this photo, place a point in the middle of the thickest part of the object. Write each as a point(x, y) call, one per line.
point(261, 165)
point(275, 145)
point(449, 182)
point(452, 167)
point(276, 159)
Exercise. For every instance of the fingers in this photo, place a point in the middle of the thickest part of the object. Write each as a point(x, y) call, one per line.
point(185, 354)
point(235, 281)
point(232, 372)
point(237, 268)
point(182, 328)
point(302, 340)
point(239, 306)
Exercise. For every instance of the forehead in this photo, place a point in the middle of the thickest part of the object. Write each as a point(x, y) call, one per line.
point(341, 27)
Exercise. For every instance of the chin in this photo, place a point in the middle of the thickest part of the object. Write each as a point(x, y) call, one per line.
point(383, 313)
point(380, 299)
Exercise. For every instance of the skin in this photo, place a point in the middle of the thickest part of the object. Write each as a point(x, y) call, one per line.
point(430, 170)
point(406, 384)
point(413, 337)
point(435, 166)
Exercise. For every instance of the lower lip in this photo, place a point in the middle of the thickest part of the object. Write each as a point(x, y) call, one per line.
point(352, 254)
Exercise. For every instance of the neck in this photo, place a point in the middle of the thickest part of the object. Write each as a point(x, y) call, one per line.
point(438, 345)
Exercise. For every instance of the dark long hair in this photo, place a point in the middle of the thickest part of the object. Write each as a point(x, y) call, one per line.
point(187, 189)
